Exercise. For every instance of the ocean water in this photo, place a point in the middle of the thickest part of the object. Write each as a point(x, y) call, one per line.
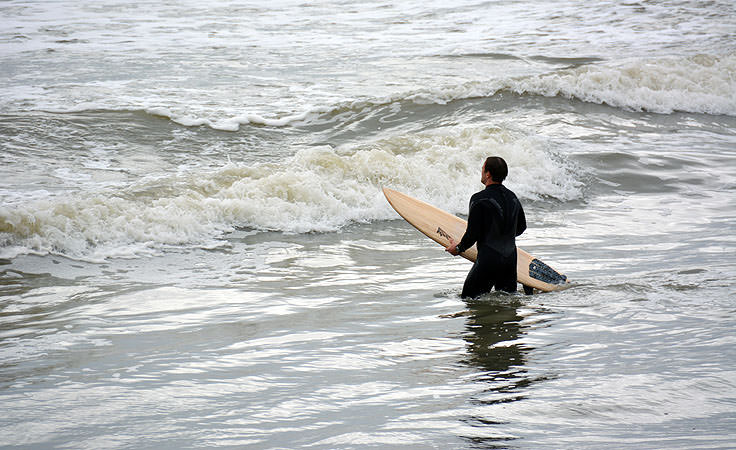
point(195, 251)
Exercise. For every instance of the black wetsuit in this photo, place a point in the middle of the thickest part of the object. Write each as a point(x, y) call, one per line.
point(494, 220)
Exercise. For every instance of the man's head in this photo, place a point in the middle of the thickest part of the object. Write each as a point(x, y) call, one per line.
point(494, 170)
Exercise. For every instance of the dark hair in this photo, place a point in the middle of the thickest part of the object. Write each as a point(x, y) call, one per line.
point(496, 166)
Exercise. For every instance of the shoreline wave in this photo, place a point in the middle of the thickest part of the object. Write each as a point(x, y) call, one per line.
point(700, 84)
point(319, 189)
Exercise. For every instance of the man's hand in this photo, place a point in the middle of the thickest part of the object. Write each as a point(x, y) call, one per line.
point(452, 248)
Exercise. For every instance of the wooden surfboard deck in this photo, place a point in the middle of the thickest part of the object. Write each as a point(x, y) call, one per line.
point(440, 226)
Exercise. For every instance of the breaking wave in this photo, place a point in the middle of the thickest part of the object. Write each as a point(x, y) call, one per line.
point(319, 189)
point(698, 84)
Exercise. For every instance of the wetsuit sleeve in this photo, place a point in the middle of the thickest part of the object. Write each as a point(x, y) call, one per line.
point(474, 229)
point(520, 221)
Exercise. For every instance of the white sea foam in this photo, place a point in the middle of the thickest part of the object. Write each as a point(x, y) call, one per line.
point(697, 84)
point(319, 189)
point(234, 123)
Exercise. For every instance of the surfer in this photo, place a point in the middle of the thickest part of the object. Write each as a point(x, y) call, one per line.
point(495, 218)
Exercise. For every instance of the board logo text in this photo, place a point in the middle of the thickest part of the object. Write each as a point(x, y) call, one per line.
point(442, 233)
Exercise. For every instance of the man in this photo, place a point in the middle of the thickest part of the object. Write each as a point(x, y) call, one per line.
point(494, 220)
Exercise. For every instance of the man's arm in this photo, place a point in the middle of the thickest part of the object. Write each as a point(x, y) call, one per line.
point(520, 221)
point(471, 233)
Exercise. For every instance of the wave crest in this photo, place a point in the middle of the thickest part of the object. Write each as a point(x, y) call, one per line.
point(698, 84)
point(703, 84)
point(319, 189)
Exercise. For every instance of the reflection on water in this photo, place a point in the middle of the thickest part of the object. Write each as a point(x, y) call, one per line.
point(494, 336)
point(494, 328)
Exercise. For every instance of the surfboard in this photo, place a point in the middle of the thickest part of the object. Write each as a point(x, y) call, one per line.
point(441, 226)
